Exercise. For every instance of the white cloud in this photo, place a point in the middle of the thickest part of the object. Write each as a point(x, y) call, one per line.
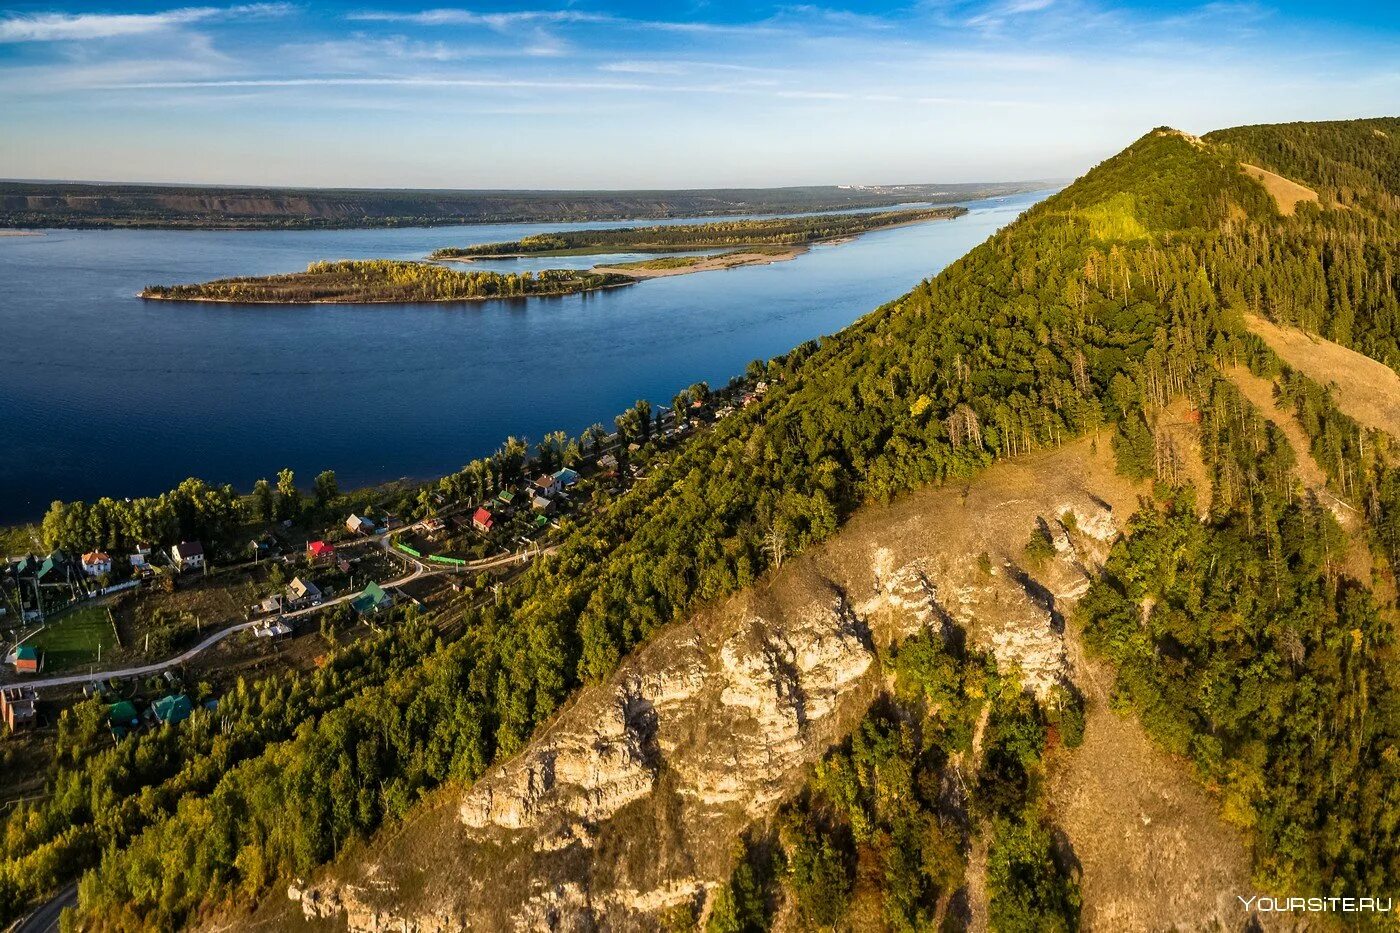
point(58, 27)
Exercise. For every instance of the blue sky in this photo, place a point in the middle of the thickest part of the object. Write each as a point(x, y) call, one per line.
point(627, 94)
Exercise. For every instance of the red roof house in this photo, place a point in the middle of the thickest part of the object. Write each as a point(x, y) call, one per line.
point(320, 550)
point(483, 520)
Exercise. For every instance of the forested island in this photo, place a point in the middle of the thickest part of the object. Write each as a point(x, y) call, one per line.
point(390, 281)
point(777, 231)
point(217, 207)
point(386, 281)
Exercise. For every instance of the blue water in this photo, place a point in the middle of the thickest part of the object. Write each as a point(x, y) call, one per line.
point(105, 394)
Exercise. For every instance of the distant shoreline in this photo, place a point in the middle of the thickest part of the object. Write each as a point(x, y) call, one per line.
point(21, 233)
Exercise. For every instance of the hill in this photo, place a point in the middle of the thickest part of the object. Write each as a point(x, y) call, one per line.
point(1238, 640)
point(64, 204)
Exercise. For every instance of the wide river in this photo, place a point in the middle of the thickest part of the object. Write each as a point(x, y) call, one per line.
point(105, 394)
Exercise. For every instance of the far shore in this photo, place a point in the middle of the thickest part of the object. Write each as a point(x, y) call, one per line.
point(21, 233)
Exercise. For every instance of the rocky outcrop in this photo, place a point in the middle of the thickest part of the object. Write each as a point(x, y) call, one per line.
point(628, 804)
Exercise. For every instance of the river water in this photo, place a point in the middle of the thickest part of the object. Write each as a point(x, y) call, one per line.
point(105, 394)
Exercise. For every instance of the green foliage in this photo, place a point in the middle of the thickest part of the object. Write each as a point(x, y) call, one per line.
point(386, 281)
point(777, 231)
point(192, 510)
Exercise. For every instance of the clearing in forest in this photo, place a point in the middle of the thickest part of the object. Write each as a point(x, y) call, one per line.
point(1365, 389)
point(1286, 194)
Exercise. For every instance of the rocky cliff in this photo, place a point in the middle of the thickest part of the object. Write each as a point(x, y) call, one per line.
point(629, 803)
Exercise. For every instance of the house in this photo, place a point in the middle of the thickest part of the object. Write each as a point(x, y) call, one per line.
point(54, 571)
point(26, 659)
point(433, 525)
point(96, 563)
point(318, 551)
point(371, 600)
point(547, 486)
point(18, 706)
point(172, 709)
point(272, 604)
point(566, 478)
point(122, 717)
point(505, 497)
point(607, 462)
point(542, 505)
point(483, 520)
point(272, 629)
point(140, 556)
point(359, 526)
point(301, 591)
point(188, 555)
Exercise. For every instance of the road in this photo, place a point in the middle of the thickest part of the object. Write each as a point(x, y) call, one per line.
point(420, 569)
point(45, 918)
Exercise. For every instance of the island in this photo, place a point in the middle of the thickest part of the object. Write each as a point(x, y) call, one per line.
point(730, 243)
point(793, 232)
point(385, 281)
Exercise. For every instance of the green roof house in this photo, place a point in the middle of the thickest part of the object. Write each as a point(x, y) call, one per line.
point(505, 497)
point(122, 716)
point(172, 709)
point(26, 660)
point(372, 599)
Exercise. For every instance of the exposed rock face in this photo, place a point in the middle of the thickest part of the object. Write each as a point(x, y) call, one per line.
point(630, 802)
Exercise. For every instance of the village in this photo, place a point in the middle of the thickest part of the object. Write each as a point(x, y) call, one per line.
point(156, 633)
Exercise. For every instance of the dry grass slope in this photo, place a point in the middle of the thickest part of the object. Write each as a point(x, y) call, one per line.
point(1287, 194)
point(1367, 390)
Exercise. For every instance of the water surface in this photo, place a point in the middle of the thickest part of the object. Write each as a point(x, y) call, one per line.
point(105, 394)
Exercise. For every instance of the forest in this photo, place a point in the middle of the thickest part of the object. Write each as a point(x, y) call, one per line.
point(778, 231)
point(85, 205)
point(384, 281)
point(1262, 661)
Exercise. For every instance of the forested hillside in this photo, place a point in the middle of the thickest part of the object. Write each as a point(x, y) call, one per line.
point(1260, 657)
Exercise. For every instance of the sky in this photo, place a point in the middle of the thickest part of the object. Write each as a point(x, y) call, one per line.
point(623, 94)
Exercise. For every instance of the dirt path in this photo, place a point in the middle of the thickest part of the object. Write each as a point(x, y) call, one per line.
point(1366, 389)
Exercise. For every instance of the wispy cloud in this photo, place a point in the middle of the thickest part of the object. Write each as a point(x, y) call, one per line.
point(448, 16)
point(58, 27)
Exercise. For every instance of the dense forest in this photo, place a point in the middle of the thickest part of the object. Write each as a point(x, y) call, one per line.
point(375, 281)
point(778, 231)
point(1100, 305)
point(60, 204)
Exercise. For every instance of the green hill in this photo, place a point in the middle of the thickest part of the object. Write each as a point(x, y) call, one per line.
point(1265, 664)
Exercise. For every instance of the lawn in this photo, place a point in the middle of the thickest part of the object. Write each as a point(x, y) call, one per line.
point(75, 638)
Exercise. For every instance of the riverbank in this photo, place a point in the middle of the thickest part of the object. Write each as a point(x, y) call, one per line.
point(21, 233)
point(684, 265)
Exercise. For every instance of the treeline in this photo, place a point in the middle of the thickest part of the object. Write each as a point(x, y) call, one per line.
point(55, 204)
point(780, 231)
point(881, 835)
point(1050, 328)
point(193, 510)
point(364, 281)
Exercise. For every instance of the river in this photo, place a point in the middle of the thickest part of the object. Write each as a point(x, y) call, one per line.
point(105, 394)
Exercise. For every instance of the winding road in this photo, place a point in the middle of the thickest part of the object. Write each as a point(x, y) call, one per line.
point(420, 569)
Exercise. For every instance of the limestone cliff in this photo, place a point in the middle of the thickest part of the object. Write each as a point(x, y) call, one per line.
point(629, 803)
